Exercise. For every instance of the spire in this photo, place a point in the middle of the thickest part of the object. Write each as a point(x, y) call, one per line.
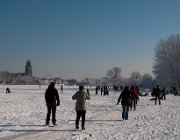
point(28, 68)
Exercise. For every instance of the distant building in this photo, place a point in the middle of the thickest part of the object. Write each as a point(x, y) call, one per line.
point(19, 78)
point(28, 68)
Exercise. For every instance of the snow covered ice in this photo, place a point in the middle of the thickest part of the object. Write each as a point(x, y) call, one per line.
point(23, 113)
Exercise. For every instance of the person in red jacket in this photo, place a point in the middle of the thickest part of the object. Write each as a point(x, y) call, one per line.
point(52, 100)
point(134, 97)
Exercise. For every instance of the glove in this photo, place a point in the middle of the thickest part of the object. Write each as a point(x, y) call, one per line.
point(58, 104)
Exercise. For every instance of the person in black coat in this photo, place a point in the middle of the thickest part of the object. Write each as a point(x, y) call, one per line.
point(125, 102)
point(52, 100)
point(8, 90)
point(157, 93)
point(163, 94)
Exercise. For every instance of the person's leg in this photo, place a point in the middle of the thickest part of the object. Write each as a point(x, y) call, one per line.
point(134, 103)
point(54, 114)
point(162, 96)
point(78, 115)
point(131, 103)
point(123, 112)
point(48, 114)
point(126, 112)
point(159, 100)
point(83, 119)
point(155, 100)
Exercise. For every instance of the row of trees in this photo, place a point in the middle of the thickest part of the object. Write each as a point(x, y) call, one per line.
point(114, 78)
point(166, 69)
point(4, 76)
point(167, 62)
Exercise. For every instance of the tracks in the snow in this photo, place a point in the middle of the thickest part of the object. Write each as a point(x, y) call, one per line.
point(33, 132)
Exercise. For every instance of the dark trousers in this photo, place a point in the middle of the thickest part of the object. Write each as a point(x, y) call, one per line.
point(125, 112)
point(133, 103)
point(158, 99)
point(51, 106)
point(164, 95)
point(78, 115)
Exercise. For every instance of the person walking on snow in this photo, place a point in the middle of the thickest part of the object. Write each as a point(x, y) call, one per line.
point(80, 96)
point(157, 93)
point(163, 94)
point(134, 98)
point(52, 100)
point(125, 102)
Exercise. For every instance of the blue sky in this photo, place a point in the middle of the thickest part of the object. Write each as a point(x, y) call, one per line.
point(84, 38)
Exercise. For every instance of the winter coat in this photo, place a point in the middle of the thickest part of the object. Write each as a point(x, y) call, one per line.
point(125, 97)
point(52, 96)
point(153, 92)
point(81, 97)
point(157, 92)
point(135, 93)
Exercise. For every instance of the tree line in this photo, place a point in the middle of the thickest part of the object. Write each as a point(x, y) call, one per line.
point(167, 62)
point(166, 69)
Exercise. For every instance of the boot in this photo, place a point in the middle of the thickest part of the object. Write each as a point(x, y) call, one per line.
point(54, 123)
point(47, 123)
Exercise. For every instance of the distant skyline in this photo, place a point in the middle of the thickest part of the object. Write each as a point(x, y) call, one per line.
point(84, 38)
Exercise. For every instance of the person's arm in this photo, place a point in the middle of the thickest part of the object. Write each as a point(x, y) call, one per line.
point(74, 96)
point(88, 96)
point(57, 98)
point(119, 98)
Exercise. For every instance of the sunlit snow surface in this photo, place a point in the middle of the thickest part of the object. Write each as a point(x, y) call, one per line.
point(23, 113)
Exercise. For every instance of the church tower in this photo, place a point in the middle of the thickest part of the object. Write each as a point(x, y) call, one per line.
point(28, 68)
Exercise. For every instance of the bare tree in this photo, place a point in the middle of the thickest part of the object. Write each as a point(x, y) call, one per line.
point(167, 59)
point(105, 81)
point(135, 78)
point(147, 81)
point(4, 76)
point(114, 76)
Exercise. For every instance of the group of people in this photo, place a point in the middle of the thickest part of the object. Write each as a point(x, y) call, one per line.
point(52, 101)
point(104, 90)
point(128, 98)
point(158, 94)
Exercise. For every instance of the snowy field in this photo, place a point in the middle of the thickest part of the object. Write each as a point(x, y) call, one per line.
point(23, 113)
